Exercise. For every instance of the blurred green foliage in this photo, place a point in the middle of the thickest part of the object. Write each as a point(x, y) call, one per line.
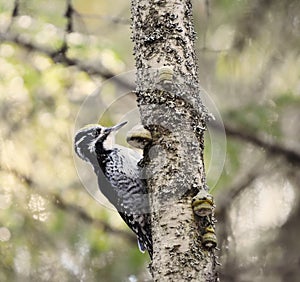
point(249, 63)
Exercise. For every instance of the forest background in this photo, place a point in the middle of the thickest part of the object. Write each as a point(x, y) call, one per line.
point(55, 54)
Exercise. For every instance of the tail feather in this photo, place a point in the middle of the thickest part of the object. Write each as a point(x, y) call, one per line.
point(141, 246)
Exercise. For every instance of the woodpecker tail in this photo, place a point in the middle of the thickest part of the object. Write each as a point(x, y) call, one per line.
point(141, 246)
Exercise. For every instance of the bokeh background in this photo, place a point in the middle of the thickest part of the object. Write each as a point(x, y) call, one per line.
point(55, 54)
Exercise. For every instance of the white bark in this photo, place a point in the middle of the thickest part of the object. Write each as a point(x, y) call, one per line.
point(163, 35)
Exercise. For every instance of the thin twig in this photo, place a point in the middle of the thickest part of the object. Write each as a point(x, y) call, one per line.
point(14, 14)
point(274, 149)
point(236, 190)
point(113, 19)
point(55, 55)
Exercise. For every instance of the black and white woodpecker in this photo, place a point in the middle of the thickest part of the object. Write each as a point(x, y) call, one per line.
point(119, 177)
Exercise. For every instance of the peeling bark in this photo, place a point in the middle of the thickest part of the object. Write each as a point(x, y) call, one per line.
point(172, 110)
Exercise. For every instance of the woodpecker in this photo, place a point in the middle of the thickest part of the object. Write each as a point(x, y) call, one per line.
point(119, 177)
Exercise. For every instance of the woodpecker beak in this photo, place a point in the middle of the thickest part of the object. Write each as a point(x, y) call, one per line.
point(116, 127)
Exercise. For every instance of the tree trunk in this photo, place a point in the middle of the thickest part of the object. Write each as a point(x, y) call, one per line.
point(171, 108)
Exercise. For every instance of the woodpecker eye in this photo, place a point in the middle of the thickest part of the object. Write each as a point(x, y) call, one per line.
point(96, 132)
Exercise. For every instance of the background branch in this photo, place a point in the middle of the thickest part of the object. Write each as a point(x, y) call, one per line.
point(72, 209)
point(273, 149)
point(58, 56)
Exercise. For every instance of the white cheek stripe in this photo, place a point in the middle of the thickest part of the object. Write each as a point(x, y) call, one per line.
point(79, 140)
point(92, 146)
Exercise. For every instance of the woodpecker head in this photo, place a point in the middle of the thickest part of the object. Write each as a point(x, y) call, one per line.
point(87, 137)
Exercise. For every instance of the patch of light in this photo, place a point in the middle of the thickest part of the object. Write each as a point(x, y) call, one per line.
point(5, 20)
point(222, 38)
point(45, 119)
point(47, 34)
point(69, 263)
point(37, 207)
point(275, 204)
point(62, 111)
point(132, 278)
point(25, 21)
point(5, 201)
point(41, 62)
point(4, 234)
point(109, 59)
point(265, 206)
point(76, 38)
point(22, 261)
point(17, 90)
point(6, 50)
point(83, 249)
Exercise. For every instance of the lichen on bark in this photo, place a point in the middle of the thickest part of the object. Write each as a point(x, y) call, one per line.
point(163, 35)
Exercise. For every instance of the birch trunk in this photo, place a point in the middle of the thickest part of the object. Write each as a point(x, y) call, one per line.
point(170, 105)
